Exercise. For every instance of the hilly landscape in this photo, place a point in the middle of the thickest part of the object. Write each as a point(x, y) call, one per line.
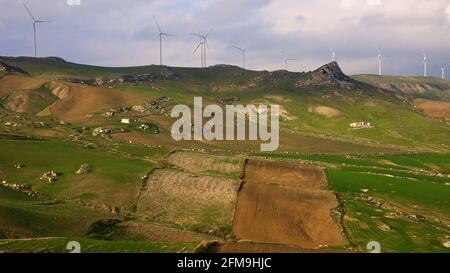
point(86, 155)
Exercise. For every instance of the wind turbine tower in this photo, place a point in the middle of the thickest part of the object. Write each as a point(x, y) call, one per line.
point(161, 35)
point(200, 46)
point(243, 51)
point(34, 28)
point(203, 46)
point(333, 54)
point(286, 62)
point(380, 60)
point(425, 60)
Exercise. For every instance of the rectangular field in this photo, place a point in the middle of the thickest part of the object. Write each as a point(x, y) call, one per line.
point(291, 210)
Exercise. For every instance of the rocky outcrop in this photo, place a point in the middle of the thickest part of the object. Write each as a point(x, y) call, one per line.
point(4, 67)
point(327, 75)
point(137, 79)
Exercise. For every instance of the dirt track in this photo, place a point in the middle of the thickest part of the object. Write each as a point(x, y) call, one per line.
point(285, 204)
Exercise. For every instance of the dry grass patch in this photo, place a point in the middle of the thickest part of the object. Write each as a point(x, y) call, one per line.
point(435, 109)
point(158, 233)
point(194, 201)
point(325, 111)
point(201, 163)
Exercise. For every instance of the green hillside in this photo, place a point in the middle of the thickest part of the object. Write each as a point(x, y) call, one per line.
point(388, 176)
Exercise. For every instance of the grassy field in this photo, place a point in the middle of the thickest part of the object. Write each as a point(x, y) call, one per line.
point(363, 224)
point(422, 196)
point(59, 245)
point(114, 180)
point(23, 217)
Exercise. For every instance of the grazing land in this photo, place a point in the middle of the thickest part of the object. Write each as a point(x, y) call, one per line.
point(86, 155)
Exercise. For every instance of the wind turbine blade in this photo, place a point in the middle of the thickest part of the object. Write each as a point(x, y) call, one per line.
point(29, 12)
point(40, 21)
point(198, 46)
point(157, 24)
point(197, 35)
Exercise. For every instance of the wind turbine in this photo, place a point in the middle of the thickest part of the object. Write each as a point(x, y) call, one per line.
point(203, 45)
point(443, 70)
point(380, 60)
point(425, 60)
point(287, 61)
point(34, 28)
point(243, 50)
point(333, 54)
point(161, 34)
point(200, 45)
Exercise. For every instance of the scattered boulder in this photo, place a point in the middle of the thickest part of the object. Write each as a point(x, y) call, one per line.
point(446, 244)
point(150, 127)
point(50, 176)
point(24, 188)
point(156, 107)
point(417, 218)
point(84, 169)
point(385, 227)
point(103, 132)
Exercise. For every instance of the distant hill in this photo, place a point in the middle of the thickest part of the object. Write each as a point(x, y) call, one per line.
point(217, 77)
point(419, 87)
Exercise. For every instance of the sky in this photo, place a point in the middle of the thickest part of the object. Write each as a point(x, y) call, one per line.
point(123, 32)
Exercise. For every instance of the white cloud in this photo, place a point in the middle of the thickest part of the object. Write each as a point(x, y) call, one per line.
point(448, 12)
point(117, 32)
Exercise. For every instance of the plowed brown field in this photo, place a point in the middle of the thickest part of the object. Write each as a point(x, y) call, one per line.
point(280, 173)
point(285, 204)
